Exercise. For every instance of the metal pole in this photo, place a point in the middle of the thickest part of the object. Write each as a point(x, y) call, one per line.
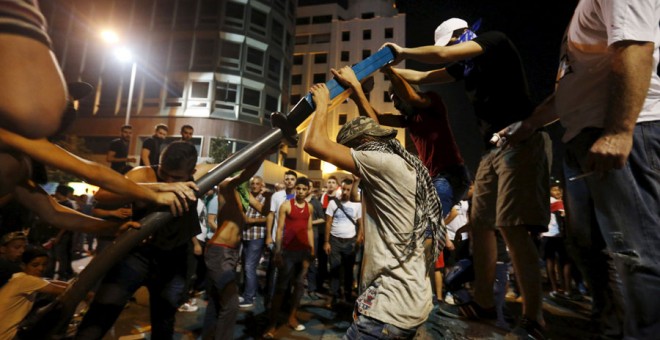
point(130, 93)
point(53, 319)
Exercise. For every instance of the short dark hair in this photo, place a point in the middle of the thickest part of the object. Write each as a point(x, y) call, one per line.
point(187, 127)
point(292, 173)
point(179, 156)
point(63, 190)
point(162, 127)
point(346, 181)
point(127, 126)
point(32, 252)
point(332, 177)
point(303, 180)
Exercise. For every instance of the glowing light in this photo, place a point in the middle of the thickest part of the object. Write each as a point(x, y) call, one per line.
point(124, 54)
point(109, 36)
point(328, 167)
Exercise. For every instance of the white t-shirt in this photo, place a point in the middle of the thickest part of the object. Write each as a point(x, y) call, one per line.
point(201, 212)
point(341, 225)
point(398, 293)
point(16, 300)
point(275, 203)
point(582, 95)
point(553, 226)
point(459, 221)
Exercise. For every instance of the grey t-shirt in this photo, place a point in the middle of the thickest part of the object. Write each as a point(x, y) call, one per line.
point(393, 292)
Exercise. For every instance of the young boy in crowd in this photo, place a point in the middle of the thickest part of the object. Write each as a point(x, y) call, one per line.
point(18, 295)
point(294, 250)
point(11, 249)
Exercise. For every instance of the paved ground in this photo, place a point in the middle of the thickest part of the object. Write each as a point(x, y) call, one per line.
point(566, 320)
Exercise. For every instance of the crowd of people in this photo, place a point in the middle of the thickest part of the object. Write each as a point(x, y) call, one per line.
point(400, 233)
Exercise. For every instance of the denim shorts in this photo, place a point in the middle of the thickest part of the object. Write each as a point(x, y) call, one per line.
point(366, 328)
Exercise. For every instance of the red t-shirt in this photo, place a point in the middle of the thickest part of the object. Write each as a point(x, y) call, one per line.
point(295, 228)
point(431, 133)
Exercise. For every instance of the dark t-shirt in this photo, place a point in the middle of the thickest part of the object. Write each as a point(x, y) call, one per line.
point(154, 146)
point(121, 151)
point(178, 230)
point(430, 131)
point(496, 84)
point(319, 213)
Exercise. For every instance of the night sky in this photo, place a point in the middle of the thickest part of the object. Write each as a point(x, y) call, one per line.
point(536, 28)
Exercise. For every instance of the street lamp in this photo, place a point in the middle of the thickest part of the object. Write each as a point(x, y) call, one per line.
point(123, 54)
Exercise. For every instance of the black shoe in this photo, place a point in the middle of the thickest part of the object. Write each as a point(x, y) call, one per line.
point(527, 329)
point(473, 311)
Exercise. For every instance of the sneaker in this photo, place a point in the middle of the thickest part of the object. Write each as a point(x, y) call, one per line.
point(472, 310)
point(526, 330)
point(186, 307)
point(243, 303)
point(450, 299)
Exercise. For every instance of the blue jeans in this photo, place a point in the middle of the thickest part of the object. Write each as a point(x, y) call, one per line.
point(222, 309)
point(366, 328)
point(451, 186)
point(342, 256)
point(164, 274)
point(252, 250)
point(623, 205)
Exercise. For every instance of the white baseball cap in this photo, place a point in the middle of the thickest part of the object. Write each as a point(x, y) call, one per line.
point(444, 32)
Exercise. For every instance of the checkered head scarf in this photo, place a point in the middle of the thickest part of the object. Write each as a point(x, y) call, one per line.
point(427, 203)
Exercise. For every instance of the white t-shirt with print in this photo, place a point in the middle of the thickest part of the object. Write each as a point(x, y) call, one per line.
point(341, 225)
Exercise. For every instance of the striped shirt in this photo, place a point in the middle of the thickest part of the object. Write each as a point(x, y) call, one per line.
point(23, 17)
point(255, 231)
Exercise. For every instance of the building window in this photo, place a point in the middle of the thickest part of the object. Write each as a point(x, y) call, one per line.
point(255, 60)
point(319, 78)
point(251, 97)
point(366, 54)
point(174, 89)
point(274, 66)
point(199, 90)
point(225, 92)
point(234, 14)
point(342, 118)
point(298, 59)
point(290, 163)
point(346, 36)
point(302, 21)
point(314, 164)
point(258, 20)
point(277, 31)
point(389, 33)
point(366, 35)
point(302, 39)
point(320, 58)
point(368, 15)
point(322, 19)
point(272, 105)
point(386, 97)
point(345, 56)
point(296, 79)
point(321, 38)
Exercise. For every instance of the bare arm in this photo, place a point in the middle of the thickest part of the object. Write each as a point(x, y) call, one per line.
point(37, 200)
point(360, 231)
point(326, 243)
point(346, 77)
point(632, 66)
point(544, 114)
point(144, 156)
point(54, 288)
point(317, 142)
point(284, 210)
point(431, 54)
point(269, 227)
point(404, 91)
point(426, 77)
point(310, 229)
point(355, 194)
point(43, 151)
point(213, 222)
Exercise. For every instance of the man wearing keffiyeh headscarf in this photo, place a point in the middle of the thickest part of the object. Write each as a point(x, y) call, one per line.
point(400, 203)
